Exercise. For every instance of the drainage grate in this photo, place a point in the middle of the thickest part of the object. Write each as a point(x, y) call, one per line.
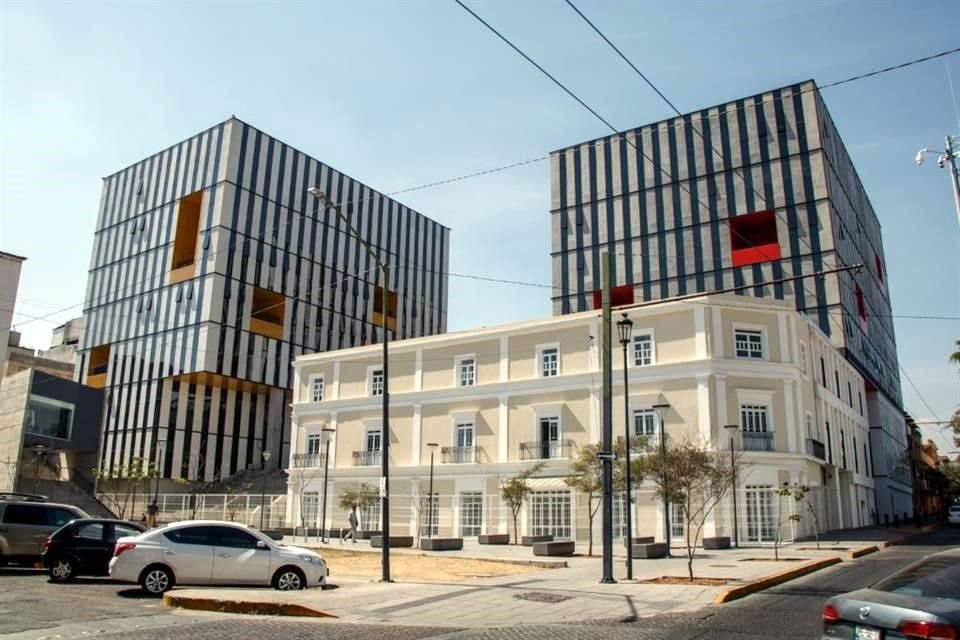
point(540, 596)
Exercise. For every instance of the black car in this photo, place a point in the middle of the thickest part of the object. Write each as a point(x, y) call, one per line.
point(84, 547)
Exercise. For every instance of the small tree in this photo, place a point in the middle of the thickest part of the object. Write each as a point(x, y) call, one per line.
point(515, 490)
point(586, 477)
point(363, 496)
point(802, 494)
point(783, 492)
point(698, 478)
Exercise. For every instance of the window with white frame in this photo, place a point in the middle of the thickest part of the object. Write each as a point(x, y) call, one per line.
point(753, 418)
point(809, 422)
point(645, 424)
point(463, 442)
point(643, 349)
point(550, 514)
point(466, 372)
point(748, 343)
point(370, 517)
point(677, 521)
point(761, 517)
point(619, 515)
point(549, 362)
point(471, 513)
point(376, 382)
point(312, 458)
point(371, 451)
point(308, 508)
point(316, 389)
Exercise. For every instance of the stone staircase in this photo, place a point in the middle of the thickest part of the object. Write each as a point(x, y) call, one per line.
point(67, 492)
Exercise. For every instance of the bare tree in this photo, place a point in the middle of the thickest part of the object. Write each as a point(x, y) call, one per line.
point(515, 490)
point(783, 492)
point(699, 479)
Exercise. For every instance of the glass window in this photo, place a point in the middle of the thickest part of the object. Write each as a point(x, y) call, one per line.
point(677, 521)
point(235, 538)
point(753, 418)
point(471, 513)
point(308, 507)
point(189, 535)
point(550, 514)
point(468, 370)
point(25, 514)
point(549, 362)
point(749, 344)
point(644, 424)
point(643, 350)
point(761, 518)
point(373, 440)
point(316, 390)
point(313, 444)
point(430, 516)
point(59, 517)
point(376, 383)
point(50, 418)
point(123, 531)
point(935, 577)
point(93, 531)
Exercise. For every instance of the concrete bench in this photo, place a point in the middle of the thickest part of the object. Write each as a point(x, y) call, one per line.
point(652, 550)
point(441, 544)
point(641, 540)
point(494, 538)
point(529, 541)
point(718, 542)
point(554, 548)
point(395, 541)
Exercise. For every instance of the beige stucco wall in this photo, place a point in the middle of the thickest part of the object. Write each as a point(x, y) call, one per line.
point(14, 392)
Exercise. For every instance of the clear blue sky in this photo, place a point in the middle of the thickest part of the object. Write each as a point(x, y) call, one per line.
point(402, 93)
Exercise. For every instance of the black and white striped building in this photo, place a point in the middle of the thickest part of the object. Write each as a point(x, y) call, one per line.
point(212, 269)
point(744, 193)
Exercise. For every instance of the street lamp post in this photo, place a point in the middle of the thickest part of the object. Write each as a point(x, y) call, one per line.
point(327, 434)
point(624, 329)
point(732, 429)
point(433, 447)
point(153, 510)
point(661, 409)
point(947, 158)
point(321, 197)
point(263, 485)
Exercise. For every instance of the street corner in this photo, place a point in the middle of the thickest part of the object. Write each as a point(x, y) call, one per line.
point(765, 582)
point(249, 603)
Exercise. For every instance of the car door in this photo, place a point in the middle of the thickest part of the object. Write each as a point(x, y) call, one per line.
point(189, 550)
point(92, 547)
point(236, 558)
point(24, 526)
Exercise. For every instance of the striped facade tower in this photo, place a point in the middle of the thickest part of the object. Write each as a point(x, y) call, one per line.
point(740, 195)
point(212, 269)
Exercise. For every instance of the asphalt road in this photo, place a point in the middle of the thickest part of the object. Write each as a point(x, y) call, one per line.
point(31, 607)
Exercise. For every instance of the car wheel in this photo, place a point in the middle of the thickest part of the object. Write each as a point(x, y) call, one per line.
point(289, 579)
point(156, 580)
point(62, 570)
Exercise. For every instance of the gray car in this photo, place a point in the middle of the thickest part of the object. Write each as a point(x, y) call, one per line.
point(25, 522)
point(921, 601)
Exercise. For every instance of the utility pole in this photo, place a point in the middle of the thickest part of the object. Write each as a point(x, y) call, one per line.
point(607, 412)
point(946, 159)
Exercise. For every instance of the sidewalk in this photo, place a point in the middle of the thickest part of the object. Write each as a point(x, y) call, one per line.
point(564, 595)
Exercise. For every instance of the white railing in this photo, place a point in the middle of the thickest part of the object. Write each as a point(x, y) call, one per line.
point(241, 507)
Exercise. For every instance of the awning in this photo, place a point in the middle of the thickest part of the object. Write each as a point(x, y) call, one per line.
point(547, 484)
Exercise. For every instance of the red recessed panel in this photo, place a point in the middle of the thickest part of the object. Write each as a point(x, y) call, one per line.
point(753, 238)
point(618, 296)
point(753, 255)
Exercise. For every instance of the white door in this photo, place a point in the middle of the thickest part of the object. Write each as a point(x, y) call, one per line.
point(236, 558)
point(190, 552)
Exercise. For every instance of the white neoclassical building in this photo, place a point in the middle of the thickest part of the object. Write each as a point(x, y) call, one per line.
point(486, 404)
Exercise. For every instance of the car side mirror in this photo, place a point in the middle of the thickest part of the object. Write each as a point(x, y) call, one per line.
point(262, 545)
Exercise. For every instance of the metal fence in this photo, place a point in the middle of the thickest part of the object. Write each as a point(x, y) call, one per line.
point(245, 508)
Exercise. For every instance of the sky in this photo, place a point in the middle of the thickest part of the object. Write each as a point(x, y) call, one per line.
point(399, 94)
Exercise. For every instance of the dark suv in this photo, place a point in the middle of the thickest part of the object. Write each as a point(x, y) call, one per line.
point(25, 523)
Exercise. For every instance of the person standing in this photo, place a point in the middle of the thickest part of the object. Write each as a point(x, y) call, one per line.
point(353, 521)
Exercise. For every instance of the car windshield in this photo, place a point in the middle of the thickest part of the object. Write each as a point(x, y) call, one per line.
point(936, 577)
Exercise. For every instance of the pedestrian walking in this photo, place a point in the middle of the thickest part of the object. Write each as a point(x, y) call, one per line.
point(353, 521)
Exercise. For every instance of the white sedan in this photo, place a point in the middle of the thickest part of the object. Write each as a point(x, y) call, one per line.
point(205, 552)
point(953, 516)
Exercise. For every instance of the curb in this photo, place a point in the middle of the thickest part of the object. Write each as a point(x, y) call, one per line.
point(862, 551)
point(901, 539)
point(240, 606)
point(775, 579)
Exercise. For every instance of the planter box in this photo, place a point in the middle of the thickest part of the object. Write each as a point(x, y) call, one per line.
point(641, 540)
point(494, 538)
point(395, 541)
point(719, 542)
point(554, 548)
point(441, 544)
point(652, 550)
point(529, 541)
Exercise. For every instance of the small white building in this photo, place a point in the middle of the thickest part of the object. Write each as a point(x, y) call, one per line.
point(495, 400)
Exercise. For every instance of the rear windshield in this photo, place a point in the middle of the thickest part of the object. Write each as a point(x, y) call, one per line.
point(937, 577)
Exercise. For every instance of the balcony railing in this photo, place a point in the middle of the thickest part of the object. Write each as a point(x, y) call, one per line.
point(301, 460)
point(758, 441)
point(366, 458)
point(546, 450)
point(816, 449)
point(459, 455)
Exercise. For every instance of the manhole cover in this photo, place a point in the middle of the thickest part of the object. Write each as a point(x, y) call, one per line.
point(539, 596)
